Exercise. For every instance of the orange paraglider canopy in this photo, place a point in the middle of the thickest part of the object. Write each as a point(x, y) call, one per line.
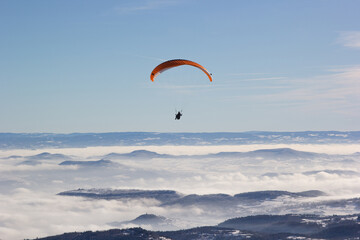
point(175, 63)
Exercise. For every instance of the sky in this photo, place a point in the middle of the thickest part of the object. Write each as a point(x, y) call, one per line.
point(84, 66)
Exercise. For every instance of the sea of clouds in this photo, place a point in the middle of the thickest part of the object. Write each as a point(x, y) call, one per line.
point(30, 206)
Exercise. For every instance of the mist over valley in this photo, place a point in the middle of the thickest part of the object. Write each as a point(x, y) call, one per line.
point(49, 191)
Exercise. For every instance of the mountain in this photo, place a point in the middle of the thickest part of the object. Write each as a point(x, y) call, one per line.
point(310, 225)
point(275, 224)
point(268, 195)
point(38, 158)
point(342, 231)
point(281, 153)
point(113, 234)
point(204, 233)
point(152, 220)
point(170, 197)
point(99, 163)
point(52, 140)
point(48, 156)
point(137, 154)
point(261, 227)
point(226, 201)
point(277, 153)
point(13, 157)
point(148, 219)
point(160, 195)
point(204, 200)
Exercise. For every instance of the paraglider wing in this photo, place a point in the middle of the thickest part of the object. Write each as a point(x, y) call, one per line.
point(175, 63)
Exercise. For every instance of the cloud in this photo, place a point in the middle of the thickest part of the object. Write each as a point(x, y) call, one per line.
point(249, 74)
point(35, 168)
point(40, 214)
point(335, 92)
point(144, 6)
point(264, 79)
point(32, 204)
point(250, 79)
point(350, 39)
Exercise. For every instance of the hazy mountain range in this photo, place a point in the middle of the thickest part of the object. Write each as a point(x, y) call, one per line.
point(277, 153)
point(170, 197)
point(226, 204)
point(264, 153)
point(261, 227)
point(160, 195)
point(39, 158)
point(47, 140)
point(99, 163)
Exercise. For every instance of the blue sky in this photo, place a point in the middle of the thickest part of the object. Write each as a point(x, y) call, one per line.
point(84, 66)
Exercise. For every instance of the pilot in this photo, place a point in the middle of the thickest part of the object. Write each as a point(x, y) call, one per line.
point(178, 115)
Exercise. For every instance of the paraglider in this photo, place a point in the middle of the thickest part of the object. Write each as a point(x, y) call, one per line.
point(175, 63)
point(178, 115)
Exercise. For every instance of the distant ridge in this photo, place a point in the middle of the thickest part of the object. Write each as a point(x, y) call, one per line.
point(38, 158)
point(99, 163)
point(228, 200)
point(266, 153)
point(263, 153)
point(160, 195)
point(263, 195)
point(48, 156)
point(155, 221)
point(170, 197)
point(137, 154)
point(52, 140)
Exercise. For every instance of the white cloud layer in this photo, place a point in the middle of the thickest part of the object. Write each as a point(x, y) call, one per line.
point(28, 197)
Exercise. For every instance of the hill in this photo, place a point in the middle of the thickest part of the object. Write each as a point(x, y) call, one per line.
point(262, 227)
